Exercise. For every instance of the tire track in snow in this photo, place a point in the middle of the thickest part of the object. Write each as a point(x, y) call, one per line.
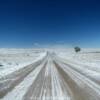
point(35, 89)
point(8, 82)
point(58, 87)
point(19, 91)
point(50, 79)
point(48, 85)
point(80, 88)
point(87, 72)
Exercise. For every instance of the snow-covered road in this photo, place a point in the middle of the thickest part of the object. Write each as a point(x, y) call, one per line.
point(51, 78)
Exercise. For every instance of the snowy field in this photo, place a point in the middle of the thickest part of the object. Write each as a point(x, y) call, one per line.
point(49, 74)
point(14, 59)
point(90, 57)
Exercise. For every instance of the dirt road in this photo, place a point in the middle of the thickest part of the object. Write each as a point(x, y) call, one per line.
point(50, 79)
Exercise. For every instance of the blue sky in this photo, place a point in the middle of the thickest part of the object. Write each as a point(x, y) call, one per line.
point(24, 23)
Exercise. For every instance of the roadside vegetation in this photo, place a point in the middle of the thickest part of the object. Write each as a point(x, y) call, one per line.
point(77, 49)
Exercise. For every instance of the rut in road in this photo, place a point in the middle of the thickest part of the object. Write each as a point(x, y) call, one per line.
point(48, 85)
point(81, 69)
point(8, 82)
point(80, 89)
point(54, 80)
point(35, 89)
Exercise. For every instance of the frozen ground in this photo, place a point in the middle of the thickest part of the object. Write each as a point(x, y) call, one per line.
point(50, 74)
point(14, 59)
point(90, 57)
